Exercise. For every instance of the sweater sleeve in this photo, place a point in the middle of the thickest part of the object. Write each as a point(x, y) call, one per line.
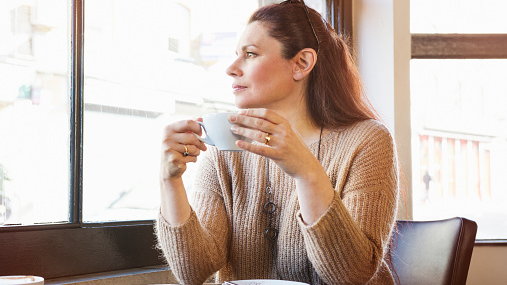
point(346, 245)
point(197, 248)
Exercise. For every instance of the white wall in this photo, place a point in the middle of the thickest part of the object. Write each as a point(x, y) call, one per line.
point(382, 43)
point(488, 266)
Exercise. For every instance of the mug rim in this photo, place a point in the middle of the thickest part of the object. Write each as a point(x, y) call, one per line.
point(217, 114)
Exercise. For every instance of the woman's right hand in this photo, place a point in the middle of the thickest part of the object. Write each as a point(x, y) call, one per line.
point(180, 145)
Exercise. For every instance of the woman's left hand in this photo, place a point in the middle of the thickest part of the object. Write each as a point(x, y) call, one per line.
point(279, 141)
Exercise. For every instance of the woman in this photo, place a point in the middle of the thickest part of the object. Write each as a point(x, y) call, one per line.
point(313, 197)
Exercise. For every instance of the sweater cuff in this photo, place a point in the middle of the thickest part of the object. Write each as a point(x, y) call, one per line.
point(173, 239)
point(165, 229)
point(325, 216)
point(335, 223)
point(162, 221)
point(178, 243)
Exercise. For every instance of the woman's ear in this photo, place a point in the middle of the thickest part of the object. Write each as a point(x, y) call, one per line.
point(304, 61)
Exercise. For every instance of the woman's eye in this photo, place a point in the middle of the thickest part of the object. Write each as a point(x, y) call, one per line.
point(250, 54)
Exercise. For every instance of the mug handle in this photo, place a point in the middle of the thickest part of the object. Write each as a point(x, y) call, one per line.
point(207, 139)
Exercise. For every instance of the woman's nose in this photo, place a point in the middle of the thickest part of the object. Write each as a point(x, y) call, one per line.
point(233, 70)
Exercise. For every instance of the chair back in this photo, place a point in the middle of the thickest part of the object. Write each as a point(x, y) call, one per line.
point(433, 252)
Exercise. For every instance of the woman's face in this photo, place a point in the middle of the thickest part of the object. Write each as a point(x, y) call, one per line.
point(262, 77)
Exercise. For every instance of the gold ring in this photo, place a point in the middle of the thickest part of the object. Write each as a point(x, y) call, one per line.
point(267, 138)
point(185, 153)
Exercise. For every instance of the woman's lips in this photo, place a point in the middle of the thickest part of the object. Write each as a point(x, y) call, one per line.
point(238, 88)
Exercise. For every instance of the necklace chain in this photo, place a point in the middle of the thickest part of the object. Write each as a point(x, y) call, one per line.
point(271, 232)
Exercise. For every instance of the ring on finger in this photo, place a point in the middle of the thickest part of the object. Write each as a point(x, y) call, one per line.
point(267, 139)
point(186, 153)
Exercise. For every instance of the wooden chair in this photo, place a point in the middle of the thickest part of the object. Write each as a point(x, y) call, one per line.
point(432, 252)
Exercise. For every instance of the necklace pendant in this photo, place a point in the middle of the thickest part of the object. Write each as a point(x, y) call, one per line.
point(269, 208)
point(271, 233)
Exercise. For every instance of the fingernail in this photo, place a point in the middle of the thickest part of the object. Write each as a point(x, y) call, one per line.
point(232, 118)
point(234, 128)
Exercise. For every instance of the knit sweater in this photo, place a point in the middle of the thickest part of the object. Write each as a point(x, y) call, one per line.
point(346, 245)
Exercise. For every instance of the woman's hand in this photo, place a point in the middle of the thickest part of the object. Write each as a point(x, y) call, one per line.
point(179, 146)
point(287, 149)
point(279, 141)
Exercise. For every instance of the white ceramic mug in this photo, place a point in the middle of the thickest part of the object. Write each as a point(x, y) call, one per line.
point(218, 131)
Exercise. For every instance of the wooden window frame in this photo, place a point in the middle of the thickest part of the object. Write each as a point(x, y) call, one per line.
point(459, 46)
point(339, 15)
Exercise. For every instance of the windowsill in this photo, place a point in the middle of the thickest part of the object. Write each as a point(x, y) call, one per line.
point(491, 242)
point(143, 275)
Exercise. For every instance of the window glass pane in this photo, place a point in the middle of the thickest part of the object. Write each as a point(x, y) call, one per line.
point(458, 16)
point(460, 141)
point(147, 63)
point(34, 112)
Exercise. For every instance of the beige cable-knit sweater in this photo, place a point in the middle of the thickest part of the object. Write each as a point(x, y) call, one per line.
point(345, 246)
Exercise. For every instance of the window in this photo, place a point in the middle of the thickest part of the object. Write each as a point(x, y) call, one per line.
point(80, 120)
point(458, 112)
point(34, 112)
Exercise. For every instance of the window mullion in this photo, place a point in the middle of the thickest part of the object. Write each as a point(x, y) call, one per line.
point(339, 15)
point(76, 76)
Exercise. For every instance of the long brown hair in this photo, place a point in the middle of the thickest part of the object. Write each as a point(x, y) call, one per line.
point(334, 91)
